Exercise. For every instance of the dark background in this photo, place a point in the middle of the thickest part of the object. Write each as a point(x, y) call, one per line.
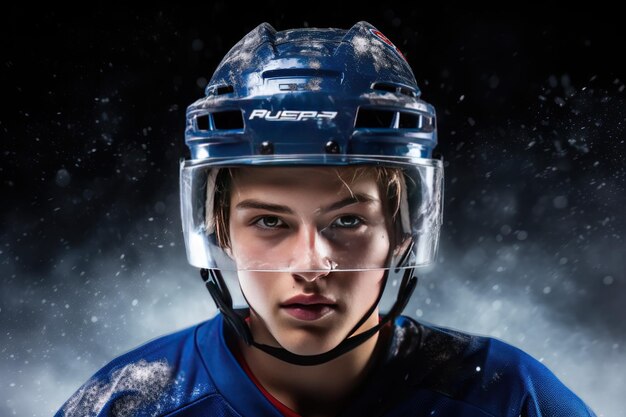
point(531, 118)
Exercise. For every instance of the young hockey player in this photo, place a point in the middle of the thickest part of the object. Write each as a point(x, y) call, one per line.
point(310, 199)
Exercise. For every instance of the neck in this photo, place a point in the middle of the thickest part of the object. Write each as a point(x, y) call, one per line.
point(317, 390)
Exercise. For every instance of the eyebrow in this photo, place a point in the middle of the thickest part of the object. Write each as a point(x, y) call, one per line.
point(352, 199)
point(256, 204)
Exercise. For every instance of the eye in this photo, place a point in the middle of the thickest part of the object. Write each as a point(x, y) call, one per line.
point(348, 222)
point(269, 222)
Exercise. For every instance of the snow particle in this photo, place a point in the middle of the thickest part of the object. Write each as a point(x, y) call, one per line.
point(608, 280)
point(559, 101)
point(201, 82)
point(522, 235)
point(63, 178)
point(560, 202)
point(547, 290)
point(135, 302)
point(478, 369)
point(553, 81)
point(159, 207)
point(197, 45)
point(94, 319)
point(494, 81)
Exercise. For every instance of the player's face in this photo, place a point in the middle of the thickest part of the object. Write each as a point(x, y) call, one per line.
point(313, 224)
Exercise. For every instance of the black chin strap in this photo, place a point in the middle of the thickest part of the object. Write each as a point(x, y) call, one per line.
point(216, 285)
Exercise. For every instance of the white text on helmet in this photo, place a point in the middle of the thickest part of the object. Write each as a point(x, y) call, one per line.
point(292, 115)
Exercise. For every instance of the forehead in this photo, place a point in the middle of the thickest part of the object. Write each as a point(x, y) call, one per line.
point(308, 178)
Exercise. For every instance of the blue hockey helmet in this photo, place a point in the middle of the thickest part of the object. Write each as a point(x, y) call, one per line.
point(304, 97)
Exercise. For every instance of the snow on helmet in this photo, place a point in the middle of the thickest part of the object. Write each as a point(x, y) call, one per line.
point(309, 97)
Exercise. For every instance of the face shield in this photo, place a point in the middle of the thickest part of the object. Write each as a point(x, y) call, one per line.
point(302, 214)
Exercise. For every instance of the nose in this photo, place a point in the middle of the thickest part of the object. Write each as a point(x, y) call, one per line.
point(311, 255)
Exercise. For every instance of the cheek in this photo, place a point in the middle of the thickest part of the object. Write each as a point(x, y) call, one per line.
point(372, 280)
point(259, 288)
point(362, 288)
point(238, 235)
point(376, 250)
point(250, 286)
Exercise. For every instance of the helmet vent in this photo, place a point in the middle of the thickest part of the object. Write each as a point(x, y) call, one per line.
point(224, 89)
point(389, 119)
point(393, 88)
point(373, 118)
point(409, 120)
point(223, 120)
point(202, 122)
point(218, 90)
point(228, 120)
point(426, 124)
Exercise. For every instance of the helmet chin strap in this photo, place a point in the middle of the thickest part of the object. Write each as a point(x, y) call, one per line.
point(216, 285)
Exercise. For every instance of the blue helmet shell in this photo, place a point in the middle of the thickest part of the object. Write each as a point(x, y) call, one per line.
point(308, 92)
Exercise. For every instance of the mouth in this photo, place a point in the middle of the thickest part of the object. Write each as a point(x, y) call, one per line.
point(308, 312)
point(308, 307)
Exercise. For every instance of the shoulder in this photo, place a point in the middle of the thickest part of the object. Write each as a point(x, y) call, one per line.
point(530, 383)
point(481, 372)
point(161, 375)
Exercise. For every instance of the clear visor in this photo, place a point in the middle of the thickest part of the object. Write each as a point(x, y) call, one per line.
point(256, 215)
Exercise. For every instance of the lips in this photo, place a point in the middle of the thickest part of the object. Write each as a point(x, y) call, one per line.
point(308, 307)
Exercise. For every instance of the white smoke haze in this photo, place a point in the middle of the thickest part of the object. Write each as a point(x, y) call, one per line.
point(79, 317)
point(590, 361)
point(57, 338)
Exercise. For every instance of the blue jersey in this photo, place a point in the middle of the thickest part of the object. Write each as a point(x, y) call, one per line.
point(423, 371)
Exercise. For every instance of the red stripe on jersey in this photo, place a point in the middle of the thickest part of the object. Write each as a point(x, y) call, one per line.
point(284, 410)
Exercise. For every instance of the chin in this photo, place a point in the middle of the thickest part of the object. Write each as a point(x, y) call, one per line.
point(303, 342)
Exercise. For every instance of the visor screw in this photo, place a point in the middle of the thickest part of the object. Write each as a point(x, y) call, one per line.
point(267, 148)
point(332, 147)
